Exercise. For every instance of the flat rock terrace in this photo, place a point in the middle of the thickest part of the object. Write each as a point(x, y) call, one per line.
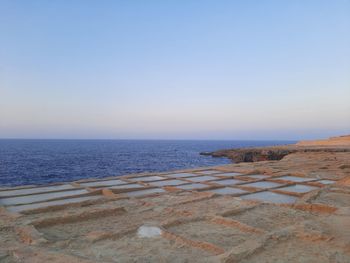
point(271, 211)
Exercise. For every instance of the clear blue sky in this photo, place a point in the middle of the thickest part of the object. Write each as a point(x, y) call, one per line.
point(174, 69)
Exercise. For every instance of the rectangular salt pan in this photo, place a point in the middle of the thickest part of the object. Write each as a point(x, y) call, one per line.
point(228, 191)
point(168, 183)
point(264, 185)
point(35, 190)
point(202, 178)
point(228, 182)
point(270, 197)
point(146, 179)
point(257, 176)
point(294, 179)
point(145, 192)
point(192, 186)
point(298, 188)
point(228, 174)
point(208, 172)
point(20, 208)
point(103, 183)
point(126, 186)
point(326, 182)
point(180, 175)
point(40, 197)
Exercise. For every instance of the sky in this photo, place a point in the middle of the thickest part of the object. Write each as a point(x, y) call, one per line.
point(176, 69)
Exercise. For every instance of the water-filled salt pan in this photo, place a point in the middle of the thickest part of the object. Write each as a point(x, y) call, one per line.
point(40, 197)
point(294, 178)
point(146, 178)
point(34, 190)
point(192, 186)
point(326, 182)
point(257, 176)
point(202, 178)
point(228, 182)
point(180, 175)
point(228, 191)
point(228, 174)
point(20, 208)
point(126, 186)
point(298, 188)
point(264, 185)
point(103, 183)
point(168, 182)
point(209, 172)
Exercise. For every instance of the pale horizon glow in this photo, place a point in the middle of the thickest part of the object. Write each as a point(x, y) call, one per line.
point(174, 69)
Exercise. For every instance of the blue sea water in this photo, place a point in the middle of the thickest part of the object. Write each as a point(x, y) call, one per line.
point(25, 162)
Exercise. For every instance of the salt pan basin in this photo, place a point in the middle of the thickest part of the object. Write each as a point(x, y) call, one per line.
point(208, 172)
point(298, 188)
point(192, 186)
point(21, 208)
point(202, 178)
point(263, 185)
point(103, 183)
point(326, 182)
point(228, 174)
point(35, 190)
point(28, 199)
point(147, 178)
point(168, 183)
point(228, 191)
point(228, 182)
point(295, 179)
point(180, 175)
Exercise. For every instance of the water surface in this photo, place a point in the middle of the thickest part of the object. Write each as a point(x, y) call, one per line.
point(25, 162)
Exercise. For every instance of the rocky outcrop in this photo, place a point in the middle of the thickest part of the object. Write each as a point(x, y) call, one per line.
point(266, 153)
point(251, 155)
point(334, 144)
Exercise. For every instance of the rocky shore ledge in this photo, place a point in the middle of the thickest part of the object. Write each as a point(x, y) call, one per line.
point(292, 206)
point(257, 154)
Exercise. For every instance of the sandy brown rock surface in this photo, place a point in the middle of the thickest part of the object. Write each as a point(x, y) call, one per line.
point(296, 209)
point(333, 141)
point(274, 153)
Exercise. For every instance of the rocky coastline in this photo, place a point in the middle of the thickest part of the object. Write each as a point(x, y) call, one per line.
point(275, 153)
point(274, 204)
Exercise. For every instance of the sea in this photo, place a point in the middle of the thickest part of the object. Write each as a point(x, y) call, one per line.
point(28, 162)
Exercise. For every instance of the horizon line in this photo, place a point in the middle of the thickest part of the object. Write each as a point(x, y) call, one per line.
point(145, 139)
